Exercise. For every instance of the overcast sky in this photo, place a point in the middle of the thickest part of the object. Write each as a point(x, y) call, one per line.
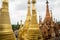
point(18, 9)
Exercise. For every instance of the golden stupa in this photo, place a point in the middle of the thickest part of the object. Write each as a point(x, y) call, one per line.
point(22, 31)
point(34, 32)
point(6, 32)
point(30, 29)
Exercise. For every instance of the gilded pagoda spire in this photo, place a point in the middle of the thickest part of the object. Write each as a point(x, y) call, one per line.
point(21, 25)
point(27, 21)
point(23, 30)
point(47, 17)
point(47, 9)
point(6, 32)
point(33, 32)
point(28, 17)
point(34, 13)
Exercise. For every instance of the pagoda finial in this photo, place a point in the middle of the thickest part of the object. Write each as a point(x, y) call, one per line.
point(28, 13)
point(47, 17)
point(51, 12)
point(47, 2)
point(47, 9)
point(21, 23)
point(34, 14)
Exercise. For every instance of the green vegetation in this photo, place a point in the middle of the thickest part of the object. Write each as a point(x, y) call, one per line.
point(15, 27)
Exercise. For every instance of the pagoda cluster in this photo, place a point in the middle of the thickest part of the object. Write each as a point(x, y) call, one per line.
point(30, 30)
point(49, 27)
